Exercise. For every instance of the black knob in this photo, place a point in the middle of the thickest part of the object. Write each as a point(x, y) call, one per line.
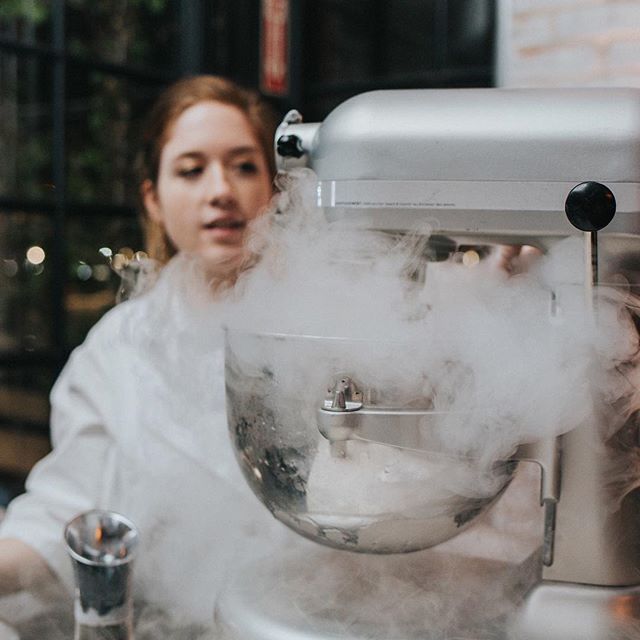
point(590, 206)
point(290, 146)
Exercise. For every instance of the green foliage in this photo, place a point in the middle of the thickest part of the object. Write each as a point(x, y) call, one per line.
point(35, 11)
point(153, 6)
point(106, 8)
point(33, 162)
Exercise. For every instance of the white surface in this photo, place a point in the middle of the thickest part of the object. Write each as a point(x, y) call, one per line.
point(7, 633)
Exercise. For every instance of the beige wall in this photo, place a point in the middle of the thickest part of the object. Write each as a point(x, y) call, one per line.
point(569, 43)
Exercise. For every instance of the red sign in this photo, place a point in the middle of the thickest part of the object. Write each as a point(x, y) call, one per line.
point(274, 59)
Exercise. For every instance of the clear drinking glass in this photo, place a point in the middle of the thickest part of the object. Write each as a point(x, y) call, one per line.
point(102, 546)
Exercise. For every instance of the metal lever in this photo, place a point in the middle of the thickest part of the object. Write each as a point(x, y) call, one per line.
point(547, 455)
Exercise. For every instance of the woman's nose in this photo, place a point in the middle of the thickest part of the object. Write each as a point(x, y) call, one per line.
point(218, 185)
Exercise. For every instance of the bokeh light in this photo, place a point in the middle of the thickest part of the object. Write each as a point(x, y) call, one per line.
point(84, 271)
point(9, 268)
point(120, 261)
point(35, 255)
point(470, 258)
point(101, 272)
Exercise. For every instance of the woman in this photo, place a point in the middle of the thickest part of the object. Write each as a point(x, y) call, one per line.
point(138, 423)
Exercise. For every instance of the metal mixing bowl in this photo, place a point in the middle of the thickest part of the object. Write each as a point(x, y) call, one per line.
point(359, 493)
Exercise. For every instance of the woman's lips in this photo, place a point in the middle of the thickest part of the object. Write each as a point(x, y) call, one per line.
point(224, 229)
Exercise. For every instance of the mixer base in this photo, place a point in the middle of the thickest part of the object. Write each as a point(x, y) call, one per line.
point(566, 611)
point(323, 594)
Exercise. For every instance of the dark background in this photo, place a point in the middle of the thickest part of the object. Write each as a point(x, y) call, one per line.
point(76, 76)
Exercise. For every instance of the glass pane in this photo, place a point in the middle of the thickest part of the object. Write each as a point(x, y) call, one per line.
point(324, 102)
point(25, 127)
point(140, 34)
point(242, 39)
point(28, 21)
point(24, 394)
point(409, 44)
point(25, 282)
point(103, 122)
point(471, 26)
point(339, 40)
point(91, 283)
point(24, 421)
point(10, 487)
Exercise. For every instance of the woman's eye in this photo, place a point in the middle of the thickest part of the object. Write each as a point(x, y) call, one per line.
point(247, 167)
point(190, 172)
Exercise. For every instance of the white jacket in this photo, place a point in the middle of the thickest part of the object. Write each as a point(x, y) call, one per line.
point(138, 426)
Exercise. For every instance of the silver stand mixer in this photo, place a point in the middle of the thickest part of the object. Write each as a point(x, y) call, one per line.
point(485, 168)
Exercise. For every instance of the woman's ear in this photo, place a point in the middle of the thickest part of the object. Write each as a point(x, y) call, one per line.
point(150, 201)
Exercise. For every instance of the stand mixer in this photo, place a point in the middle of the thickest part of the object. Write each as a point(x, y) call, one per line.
point(484, 168)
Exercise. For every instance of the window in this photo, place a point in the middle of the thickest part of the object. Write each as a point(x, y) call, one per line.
point(76, 77)
point(360, 45)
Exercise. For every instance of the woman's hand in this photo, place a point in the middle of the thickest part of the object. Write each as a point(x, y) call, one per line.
point(22, 568)
point(514, 259)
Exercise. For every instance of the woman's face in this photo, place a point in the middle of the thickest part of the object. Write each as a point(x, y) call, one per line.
point(212, 180)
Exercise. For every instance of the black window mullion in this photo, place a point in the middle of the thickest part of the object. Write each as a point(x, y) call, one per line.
point(12, 359)
point(51, 54)
point(59, 247)
point(86, 210)
point(192, 42)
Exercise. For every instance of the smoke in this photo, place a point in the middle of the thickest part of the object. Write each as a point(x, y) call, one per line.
point(493, 359)
point(319, 593)
point(29, 615)
point(500, 360)
point(32, 619)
